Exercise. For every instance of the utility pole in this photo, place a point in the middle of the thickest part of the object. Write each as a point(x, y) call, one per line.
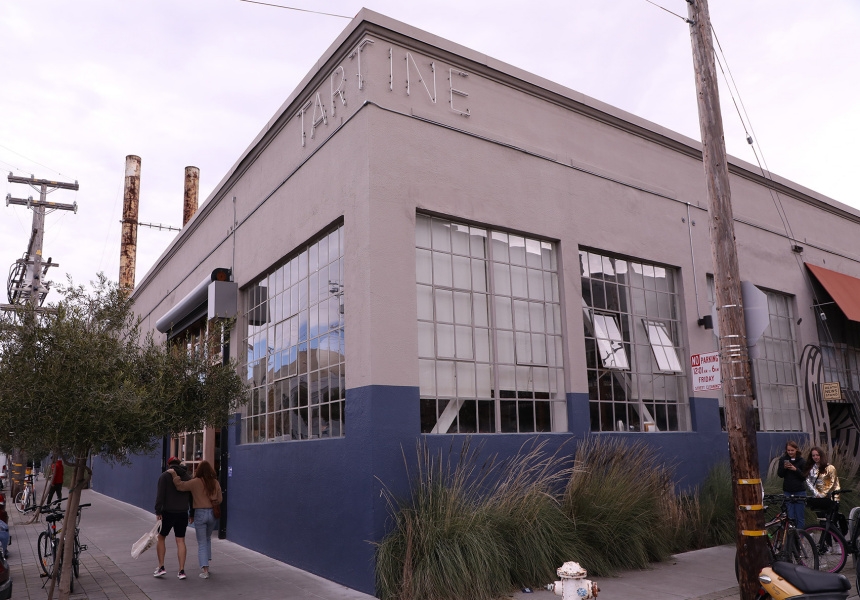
point(734, 356)
point(33, 292)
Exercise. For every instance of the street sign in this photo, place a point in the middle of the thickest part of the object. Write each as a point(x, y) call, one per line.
point(706, 371)
point(831, 391)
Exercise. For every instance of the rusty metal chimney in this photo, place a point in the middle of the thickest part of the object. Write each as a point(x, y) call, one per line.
point(192, 188)
point(130, 204)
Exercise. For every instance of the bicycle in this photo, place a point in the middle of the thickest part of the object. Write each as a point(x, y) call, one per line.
point(25, 500)
point(785, 541)
point(48, 543)
point(833, 548)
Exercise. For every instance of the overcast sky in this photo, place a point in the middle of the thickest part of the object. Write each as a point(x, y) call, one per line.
point(192, 82)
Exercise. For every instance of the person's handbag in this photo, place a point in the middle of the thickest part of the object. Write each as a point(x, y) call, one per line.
point(216, 511)
point(146, 540)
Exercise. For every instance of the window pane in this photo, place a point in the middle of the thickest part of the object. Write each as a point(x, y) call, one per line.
point(460, 239)
point(462, 273)
point(445, 341)
point(425, 302)
point(444, 306)
point(442, 270)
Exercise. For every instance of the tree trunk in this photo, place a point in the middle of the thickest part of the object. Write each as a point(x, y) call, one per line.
point(66, 546)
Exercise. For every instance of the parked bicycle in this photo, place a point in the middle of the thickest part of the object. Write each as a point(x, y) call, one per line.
point(785, 541)
point(48, 542)
point(25, 500)
point(829, 536)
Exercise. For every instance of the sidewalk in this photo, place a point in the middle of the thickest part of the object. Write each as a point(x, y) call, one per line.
point(108, 572)
point(707, 574)
point(109, 528)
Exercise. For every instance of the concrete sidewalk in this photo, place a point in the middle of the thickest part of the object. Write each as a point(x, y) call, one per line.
point(109, 528)
point(707, 574)
point(108, 572)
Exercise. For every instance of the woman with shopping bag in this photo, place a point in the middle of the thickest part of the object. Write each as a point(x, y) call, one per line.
point(206, 497)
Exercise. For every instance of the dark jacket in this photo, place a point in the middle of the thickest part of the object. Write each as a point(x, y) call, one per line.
point(168, 498)
point(792, 481)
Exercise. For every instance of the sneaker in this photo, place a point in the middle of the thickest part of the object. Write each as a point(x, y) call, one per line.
point(160, 572)
point(204, 575)
point(181, 574)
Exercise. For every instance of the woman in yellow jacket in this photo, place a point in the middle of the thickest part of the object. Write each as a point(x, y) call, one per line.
point(821, 480)
point(206, 494)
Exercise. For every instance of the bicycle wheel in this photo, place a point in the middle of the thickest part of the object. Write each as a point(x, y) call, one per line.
point(803, 551)
point(19, 501)
point(76, 558)
point(831, 546)
point(46, 551)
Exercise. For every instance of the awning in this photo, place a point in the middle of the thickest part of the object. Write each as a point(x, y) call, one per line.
point(844, 289)
point(215, 296)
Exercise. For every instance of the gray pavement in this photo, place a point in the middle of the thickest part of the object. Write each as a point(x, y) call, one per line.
point(108, 572)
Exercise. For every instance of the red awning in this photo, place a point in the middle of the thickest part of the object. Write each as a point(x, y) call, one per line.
point(844, 289)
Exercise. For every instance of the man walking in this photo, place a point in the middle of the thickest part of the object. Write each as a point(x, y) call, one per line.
point(56, 480)
point(171, 508)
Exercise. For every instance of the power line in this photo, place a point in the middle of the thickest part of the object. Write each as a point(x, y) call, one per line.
point(685, 19)
point(316, 12)
point(32, 161)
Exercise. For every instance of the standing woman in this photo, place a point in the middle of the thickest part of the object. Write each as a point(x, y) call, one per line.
point(821, 480)
point(792, 469)
point(206, 494)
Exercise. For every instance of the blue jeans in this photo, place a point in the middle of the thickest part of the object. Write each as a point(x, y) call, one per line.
point(204, 523)
point(795, 511)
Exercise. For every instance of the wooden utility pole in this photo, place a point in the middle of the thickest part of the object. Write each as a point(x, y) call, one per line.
point(734, 356)
point(28, 286)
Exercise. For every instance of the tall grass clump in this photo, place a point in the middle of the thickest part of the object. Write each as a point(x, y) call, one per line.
point(525, 505)
point(618, 497)
point(473, 530)
point(714, 523)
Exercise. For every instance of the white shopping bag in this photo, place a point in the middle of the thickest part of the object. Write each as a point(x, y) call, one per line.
point(145, 541)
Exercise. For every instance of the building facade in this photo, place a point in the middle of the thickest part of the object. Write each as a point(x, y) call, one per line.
point(427, 245)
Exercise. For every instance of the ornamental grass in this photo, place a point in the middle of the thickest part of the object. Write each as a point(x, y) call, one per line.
point(477, 528)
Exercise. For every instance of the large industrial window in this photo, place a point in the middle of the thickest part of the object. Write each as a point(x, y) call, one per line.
point(489, 330)
point(633, 348)
point(775, 370)
point(295, 346)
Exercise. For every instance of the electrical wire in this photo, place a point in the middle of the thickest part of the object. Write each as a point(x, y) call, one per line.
point(685, 19)
point(731, 85)
point(316, 12)
point(32, 161)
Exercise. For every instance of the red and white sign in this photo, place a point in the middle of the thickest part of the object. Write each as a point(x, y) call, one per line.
point(706, 371)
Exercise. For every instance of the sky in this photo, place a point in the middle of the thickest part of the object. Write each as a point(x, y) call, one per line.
point(192, 82)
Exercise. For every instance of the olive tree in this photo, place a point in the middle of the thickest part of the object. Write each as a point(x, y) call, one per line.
point(84, 380)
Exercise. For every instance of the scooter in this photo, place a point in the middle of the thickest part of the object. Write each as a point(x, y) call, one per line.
point(784, 580)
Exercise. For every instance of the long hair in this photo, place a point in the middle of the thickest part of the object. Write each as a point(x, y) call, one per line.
point(822, 464)
point(205, 472)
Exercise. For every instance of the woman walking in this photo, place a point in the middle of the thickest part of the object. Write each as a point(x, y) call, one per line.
point(206, 495)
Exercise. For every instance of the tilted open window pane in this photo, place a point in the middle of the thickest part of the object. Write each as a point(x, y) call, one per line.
point(610, 342)
point(661, 343)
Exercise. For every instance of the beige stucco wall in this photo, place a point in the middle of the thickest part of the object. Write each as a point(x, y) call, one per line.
point(530, 157)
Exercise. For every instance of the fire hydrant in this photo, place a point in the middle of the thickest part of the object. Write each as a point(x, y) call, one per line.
point(573, 584)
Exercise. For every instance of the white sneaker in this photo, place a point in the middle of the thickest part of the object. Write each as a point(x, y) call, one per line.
point(204, 575)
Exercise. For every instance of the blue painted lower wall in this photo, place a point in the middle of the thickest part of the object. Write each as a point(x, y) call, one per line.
point(319, 504)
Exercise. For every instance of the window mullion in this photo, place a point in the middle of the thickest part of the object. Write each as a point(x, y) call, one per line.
point(491, 300)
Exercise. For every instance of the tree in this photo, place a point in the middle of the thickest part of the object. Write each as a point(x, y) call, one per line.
point(85, 380)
